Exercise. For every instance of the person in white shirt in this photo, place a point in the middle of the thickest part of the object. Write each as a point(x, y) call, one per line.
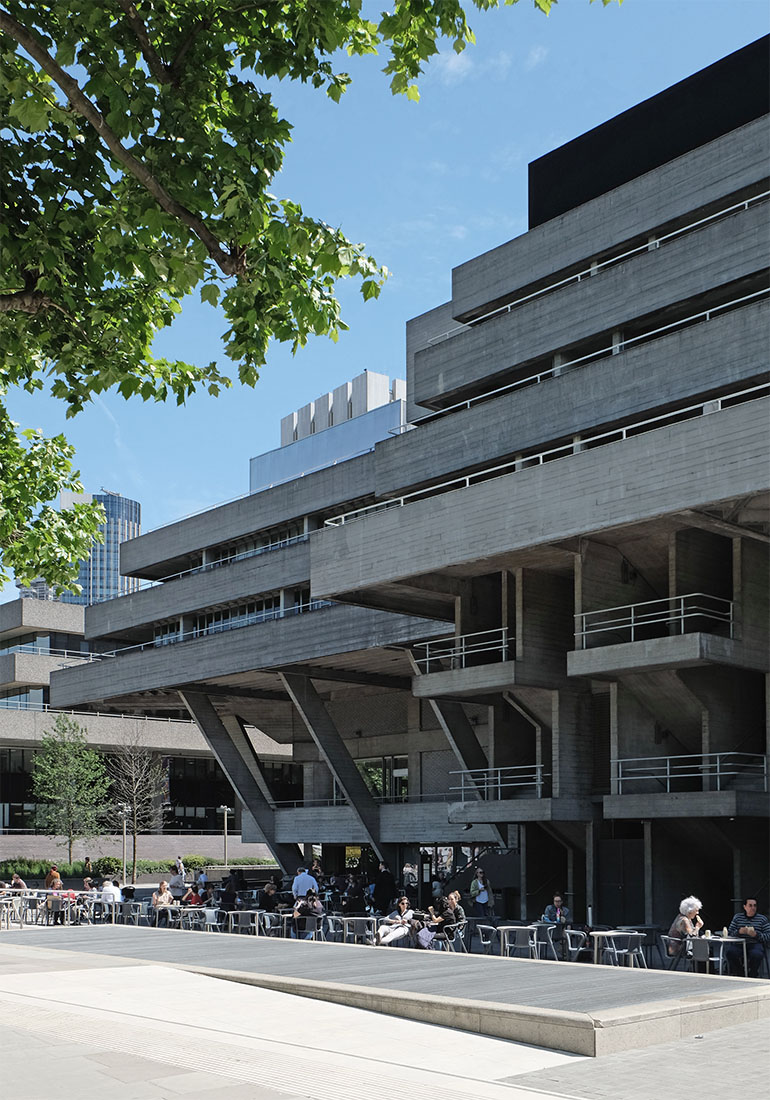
point(302, 883)
point(110, 898)
point(396, 926)
point(180, 866)
point(176, 886)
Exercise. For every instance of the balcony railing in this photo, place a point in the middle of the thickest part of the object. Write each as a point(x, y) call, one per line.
point(655, 619)
point(41, 651)
point(718, 771)
point(464, 650)
point(562, 451)
point(495, 784)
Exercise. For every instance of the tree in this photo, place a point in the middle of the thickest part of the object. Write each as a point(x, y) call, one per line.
point(137, 782)
point(69, 784)
point(138, 158)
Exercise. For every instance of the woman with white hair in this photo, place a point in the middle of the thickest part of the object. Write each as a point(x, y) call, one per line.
point(688, 923)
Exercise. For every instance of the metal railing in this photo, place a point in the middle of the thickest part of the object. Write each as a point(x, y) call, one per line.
point(582, 360)
point(564, 450)
point(493, 784)
point(41, 651)
point(652, 244)
point(253, 552)
point(462, 650)
point(655, 618)
point(223, 628)
point(713, 771)
point(46, 708)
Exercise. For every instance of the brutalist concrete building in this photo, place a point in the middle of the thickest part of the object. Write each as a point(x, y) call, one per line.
point(534, 617)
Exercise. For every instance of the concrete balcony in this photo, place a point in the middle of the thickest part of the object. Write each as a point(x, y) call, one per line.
point(725, 166)
point(207, 586)
point(31, 615)
point(726, 784)
point(290, 640)
point(29, 666)
point(473, 664)
point(709, 458)
point(520, 810)
point(644, 285)
point(676, 632)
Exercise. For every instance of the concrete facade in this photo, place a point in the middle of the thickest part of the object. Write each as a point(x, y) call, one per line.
point(555, 581)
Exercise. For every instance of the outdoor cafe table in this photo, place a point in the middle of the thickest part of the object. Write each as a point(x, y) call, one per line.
point(719, 942)
point(610, 934)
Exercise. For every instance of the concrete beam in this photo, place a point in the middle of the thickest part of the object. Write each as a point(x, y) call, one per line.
point(348, 676)
point(341, 764)
point(722, 526)
point(240, 763)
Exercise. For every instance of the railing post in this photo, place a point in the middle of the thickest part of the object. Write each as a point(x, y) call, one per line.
point(539, 780)
point(681, 614)
point(668, 775)
point(719, 771)
point(633, 622)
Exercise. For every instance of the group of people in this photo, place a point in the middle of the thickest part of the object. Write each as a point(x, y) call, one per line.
point(748, 925)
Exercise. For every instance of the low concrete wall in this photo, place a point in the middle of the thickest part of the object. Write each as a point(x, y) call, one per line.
point(155, 846)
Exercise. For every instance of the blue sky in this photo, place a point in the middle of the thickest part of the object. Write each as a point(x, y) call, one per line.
point(426, 186)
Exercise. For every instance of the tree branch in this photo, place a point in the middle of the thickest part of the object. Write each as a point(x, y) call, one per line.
point(149, 53)
point(25, 301)
point(228, 263)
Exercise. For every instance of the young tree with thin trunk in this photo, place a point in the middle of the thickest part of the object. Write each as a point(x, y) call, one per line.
point(137, 781)
point(69, 783)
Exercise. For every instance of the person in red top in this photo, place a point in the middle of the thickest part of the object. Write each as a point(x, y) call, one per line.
point(192, 897)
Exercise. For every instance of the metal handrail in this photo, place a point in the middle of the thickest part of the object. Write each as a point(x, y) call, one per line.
point(668, 609)
point(590, 357)
point(41, 651)
point(565, 450)
point(237, 624)
point(489, 783)
point(47, 708)
point(459, 648)
point(279, 544)
point(668, 770)
point(593, 269)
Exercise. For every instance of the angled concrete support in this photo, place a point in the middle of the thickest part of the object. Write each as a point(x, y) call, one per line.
point(238, 760)
point(341, 764)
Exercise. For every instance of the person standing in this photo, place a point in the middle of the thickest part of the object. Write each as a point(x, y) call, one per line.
point(754, 928)
point(481, 894)
point(302, 883)
point(384, 889)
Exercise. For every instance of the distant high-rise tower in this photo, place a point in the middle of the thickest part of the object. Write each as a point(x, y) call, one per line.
point(99, 575)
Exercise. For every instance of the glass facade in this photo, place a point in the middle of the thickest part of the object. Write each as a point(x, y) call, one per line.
point(99, 575)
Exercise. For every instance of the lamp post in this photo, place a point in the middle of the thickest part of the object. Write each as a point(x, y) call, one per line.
point(224, 810)
point(123, 809)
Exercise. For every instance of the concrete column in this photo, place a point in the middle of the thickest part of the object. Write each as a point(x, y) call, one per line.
point(648, 873)
point(522, 872)
point(342, 766)
point(240, 763)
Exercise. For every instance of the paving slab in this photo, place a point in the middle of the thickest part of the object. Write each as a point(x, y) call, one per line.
point(593, 1010)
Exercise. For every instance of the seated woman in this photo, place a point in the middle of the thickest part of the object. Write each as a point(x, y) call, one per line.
point(687, 925)
point(397, 926)
point(309, 906)
point(442, 918)
point(192, 897)
point(161, 899)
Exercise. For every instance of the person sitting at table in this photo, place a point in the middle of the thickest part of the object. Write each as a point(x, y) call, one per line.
point(442, 918)
point(209, 895)
point(353, 901)
point(127, 893)
point(110, 897)
point(397, 926)
point(754, 928)
point(17, 882)
point(268, 899)
point(161, 899)
point(687, 925)
point(192, 897)
point(309, 906)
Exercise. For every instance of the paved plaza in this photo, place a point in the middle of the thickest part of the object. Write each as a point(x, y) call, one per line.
point(115, 1018)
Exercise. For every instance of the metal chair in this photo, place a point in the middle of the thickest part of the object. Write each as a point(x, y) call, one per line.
point(520, 941)
point(487, 936)
point(542, 942)
point(674, 952)
point(269, 923)
point(240, 922)
point(575, 941)
point(130, 912)
point(213, 920)
point(701, 952)
point(360, 929)
point(626, 948)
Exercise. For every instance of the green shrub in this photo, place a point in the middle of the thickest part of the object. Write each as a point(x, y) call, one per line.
point(195, 864)
point(108, 866)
